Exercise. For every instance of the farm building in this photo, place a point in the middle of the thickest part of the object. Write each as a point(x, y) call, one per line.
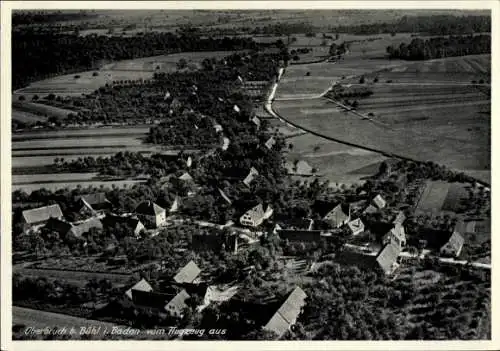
point(396, 235)
point(399, 219)
point(218, 128)
point(81, 228)
point(151, 214)
point(379, 202)
point(189, 162)
point(176, 306)
point(287, 314)
point(250, 177)
point(339, 215)
point(270, 143)
point(356, 226)
point(186, 177)
point(141, 285)
point(370, 209)
point(255, 120)
point(387, 259)
point(112, 221)
point(216, 294)
point(225, 143)
point(454, 245)
point(175, 205)
point(256, 215)
point(188, 273)
point(41, 215)
point(236, 108)
point(93, 202)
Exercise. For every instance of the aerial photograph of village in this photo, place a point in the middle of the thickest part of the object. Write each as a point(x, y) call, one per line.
point(251, 174)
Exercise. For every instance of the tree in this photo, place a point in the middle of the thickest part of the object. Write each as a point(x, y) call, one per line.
point(182, 63)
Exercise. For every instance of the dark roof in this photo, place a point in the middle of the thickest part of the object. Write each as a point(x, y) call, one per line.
point(42, 214)
point(57, 225)
point(112, 220)
point(149, 208)
point(151, 299)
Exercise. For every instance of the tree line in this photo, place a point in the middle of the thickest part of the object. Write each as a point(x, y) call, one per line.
point(430, 25)
point(39, 55)
point(441, 47)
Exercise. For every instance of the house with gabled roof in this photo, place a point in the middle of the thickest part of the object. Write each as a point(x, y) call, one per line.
point(218, 128)
point(396, 234)
point(177, 305)
point(40, 216)
point(250, 177)
point(189, 162)
point(112, 220)
point(175, 205)
point(287, 314)
point(370, 209)
point(379, 202)
point(186, 177)
point(255, 120)
point(217, 294)
point(399, 218)
point(188, 273)
point(356, 226)
point(387, 258)
point(93, 202)
point(256, 215)
point(81, 228)
point(141, 285)
point(453, 247)
point(225, 143)
point(339, 215)
point(236, 108)
point(270, 143)
point(151, 214)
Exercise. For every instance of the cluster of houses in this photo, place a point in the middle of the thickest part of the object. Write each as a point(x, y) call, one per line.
point(187, 282)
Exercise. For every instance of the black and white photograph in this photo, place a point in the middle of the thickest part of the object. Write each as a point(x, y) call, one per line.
point(249, 174)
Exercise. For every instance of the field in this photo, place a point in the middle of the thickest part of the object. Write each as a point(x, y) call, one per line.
point(79, 278)
point(27, 117)
point(42, 319)
point(442, 196)
point(141, 68)
point(429, 112)
point(44, 110)
point(34, 151)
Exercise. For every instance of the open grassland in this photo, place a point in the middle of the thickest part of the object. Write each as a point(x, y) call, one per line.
point(40, 109)
point(335, 162)
point(463, 69)
point(27, 117)
point(461, 144)
point(322, 76)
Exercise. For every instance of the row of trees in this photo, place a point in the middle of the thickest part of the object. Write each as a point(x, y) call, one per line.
point(441, 47)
